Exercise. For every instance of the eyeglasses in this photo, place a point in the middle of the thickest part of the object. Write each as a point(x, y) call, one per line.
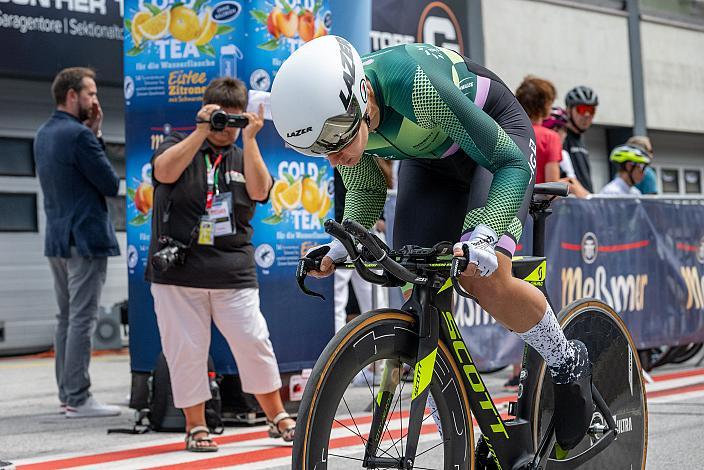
point(585, 108)
point(338, 131)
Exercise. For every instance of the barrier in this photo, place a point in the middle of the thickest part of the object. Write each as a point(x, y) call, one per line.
point(643, 256)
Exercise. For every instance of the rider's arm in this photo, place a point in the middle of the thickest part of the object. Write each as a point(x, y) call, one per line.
point(366, 191)
point(481, 138)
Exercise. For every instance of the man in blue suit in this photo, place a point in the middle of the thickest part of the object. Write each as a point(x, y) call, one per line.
point(76, 176)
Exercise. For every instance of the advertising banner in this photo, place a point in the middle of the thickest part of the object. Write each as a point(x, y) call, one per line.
point(644, 258)
point(172, 51)
point(440, 23)
point(40, 37)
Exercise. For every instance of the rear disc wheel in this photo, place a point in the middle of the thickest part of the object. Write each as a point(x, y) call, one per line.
point(616, 373)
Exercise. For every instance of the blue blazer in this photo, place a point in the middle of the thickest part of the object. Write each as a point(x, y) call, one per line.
point(75, 175)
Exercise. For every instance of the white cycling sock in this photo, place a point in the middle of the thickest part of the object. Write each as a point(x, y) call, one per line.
point(549, 340)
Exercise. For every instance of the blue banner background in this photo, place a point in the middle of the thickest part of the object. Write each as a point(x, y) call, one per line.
point(643, 257)
point(166, 72)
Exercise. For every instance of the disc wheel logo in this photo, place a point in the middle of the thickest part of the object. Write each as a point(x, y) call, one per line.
point(700, 251)
point(590, 247)
point(264, 256)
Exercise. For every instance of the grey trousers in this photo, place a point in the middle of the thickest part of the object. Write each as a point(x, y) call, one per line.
point(78, 281)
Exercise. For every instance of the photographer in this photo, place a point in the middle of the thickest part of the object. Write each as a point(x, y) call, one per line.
point(202, 259)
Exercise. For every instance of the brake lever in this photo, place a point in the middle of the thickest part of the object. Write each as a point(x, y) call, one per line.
point(310, 262)
point(457, 267)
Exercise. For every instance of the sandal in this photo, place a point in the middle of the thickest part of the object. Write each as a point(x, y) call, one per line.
point(195, 444)
point(274, 431)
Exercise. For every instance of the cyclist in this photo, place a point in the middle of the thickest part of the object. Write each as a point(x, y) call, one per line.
point(465, 142)
point(581, 102)
point(649, 184)
point(632, 162)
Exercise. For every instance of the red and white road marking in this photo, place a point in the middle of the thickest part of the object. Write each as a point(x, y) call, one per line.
point(252, 449)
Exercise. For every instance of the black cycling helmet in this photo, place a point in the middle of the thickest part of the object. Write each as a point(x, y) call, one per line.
point(581, 95)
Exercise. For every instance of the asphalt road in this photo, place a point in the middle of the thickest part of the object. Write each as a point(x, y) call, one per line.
point(32, 428)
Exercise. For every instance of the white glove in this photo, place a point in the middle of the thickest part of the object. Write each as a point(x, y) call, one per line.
point(337, 252)
point(480, 247)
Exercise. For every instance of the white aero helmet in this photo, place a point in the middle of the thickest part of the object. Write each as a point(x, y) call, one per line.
point(319, 96)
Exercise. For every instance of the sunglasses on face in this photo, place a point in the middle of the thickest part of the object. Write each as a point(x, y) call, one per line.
point(585, 108)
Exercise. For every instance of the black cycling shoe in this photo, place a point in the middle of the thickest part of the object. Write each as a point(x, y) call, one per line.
point(574, 406)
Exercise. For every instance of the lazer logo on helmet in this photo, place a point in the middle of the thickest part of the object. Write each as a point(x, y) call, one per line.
point(347, 70)
point(299, 132)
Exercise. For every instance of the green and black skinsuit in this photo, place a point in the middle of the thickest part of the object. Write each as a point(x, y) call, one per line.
point(467, 146)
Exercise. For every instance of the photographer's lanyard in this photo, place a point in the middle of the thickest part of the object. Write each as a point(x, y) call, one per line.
point(212, 179)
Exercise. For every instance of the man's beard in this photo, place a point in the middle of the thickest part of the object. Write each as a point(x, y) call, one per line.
point(84, 113)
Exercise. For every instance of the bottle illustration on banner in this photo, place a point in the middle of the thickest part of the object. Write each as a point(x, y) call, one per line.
point(229, 56)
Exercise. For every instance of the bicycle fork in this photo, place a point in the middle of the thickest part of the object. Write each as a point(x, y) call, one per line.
point(422, 376)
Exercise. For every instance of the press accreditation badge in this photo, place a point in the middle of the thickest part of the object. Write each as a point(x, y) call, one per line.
point(206, 232)
point(220, 212)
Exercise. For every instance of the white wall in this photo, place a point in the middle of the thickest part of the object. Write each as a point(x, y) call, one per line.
point(568, 46)
point(26, 104)
point(28, 306)
point(673, 66)
point(27, 302)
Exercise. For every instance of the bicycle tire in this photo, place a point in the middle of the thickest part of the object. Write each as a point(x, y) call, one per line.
point(686, 352)
point(609, 343)
point(376, 335)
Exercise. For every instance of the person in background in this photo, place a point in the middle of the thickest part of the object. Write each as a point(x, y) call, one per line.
point(206, 190)
point(557, 121)
point(581, 102)
point(632, 162)
point(649, 184)
point(76, 176)
point(536, 95)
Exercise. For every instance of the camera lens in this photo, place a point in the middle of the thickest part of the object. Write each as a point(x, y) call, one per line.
point(218, 120)
point(164, 259)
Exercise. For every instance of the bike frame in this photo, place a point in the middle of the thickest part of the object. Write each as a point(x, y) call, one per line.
point(511, 441)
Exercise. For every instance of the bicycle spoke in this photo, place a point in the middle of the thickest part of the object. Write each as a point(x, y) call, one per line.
point(421, 423)
point(428, 450)
point(400, 408)
point(346, 457)
point(388, 421)
point(400, 411)
point(359, 433)
point(350, 430)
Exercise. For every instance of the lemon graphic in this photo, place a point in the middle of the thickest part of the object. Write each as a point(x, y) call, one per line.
point(138, 19)
point(279, 187)
point(324, 206)
point(185, 25)
point(310, 199)
point(208, 28)
point(291, 197)
point(156, 26)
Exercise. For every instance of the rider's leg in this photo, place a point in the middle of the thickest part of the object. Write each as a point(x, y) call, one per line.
point(535, 322)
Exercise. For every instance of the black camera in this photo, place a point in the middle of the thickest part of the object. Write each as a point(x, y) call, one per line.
point(171, 253)
point(219, 120)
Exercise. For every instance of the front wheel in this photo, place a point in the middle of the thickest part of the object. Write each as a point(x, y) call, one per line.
point(339, 406)
point(616, 373)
